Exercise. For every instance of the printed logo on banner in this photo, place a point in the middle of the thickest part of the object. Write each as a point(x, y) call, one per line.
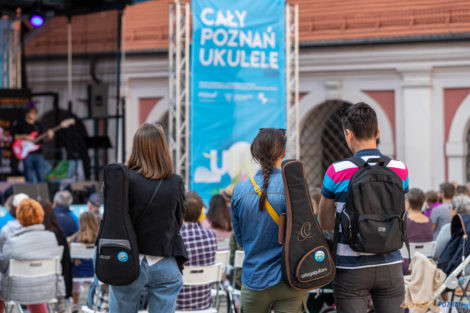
point(237, 86)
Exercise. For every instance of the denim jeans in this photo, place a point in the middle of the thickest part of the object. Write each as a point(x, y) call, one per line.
point(34, 164)
point(163, 282)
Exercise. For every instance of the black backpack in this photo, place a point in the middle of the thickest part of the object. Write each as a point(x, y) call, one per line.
point(117, 253)
point(307, 262)
point(374, 216)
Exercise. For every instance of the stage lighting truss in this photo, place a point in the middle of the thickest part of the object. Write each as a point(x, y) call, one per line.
point(292, 81)
point(179, 39)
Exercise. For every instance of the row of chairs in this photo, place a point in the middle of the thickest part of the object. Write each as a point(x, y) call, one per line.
point(203, 275)
point(192, 275)
point(31, 269)
point(48, 267)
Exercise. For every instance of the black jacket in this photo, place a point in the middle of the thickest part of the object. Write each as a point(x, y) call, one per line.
point(66, 260)
point(158, 230)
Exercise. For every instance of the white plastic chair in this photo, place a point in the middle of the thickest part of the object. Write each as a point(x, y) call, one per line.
point(201, 275)
point(82, 251)
point(237, 264)
point(426, 248)
point(222, 258)
point(31, 269)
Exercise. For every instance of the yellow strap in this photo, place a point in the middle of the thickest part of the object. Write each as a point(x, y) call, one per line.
point(269, 207)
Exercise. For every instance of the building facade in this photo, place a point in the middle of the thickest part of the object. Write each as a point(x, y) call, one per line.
point(410, 63)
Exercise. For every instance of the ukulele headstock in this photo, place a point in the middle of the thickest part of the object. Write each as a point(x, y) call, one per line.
point(67, 123)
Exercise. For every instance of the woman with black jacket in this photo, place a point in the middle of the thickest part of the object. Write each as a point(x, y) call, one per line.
point(161, 247)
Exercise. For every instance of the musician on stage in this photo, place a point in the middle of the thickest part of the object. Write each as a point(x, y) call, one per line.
point(22, 128)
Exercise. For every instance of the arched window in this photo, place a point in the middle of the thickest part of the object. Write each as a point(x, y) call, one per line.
point(322, 140)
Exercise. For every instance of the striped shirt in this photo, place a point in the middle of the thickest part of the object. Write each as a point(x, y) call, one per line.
point(335, 186)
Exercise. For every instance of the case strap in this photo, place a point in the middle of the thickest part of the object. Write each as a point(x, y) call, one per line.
point(144, 211)
point(269, 207)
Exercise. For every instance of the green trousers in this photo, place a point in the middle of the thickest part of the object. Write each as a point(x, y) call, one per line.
point(281, 298)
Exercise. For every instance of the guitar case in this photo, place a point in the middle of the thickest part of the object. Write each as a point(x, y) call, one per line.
point(117, 255)
point(307, 262)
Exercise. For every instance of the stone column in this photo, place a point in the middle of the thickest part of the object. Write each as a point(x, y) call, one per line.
point(417, 121)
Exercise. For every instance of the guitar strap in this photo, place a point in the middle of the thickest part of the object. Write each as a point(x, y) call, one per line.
point(268, 205)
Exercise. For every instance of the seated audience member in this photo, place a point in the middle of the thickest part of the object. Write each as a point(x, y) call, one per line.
point(315, 194)
point(219, 220)
point(13, 225)
point(94, 203)
point(7, 217)
point(462, 190)
point(419, 227)
point(67, 220)
point(432, 201)
point(87, 233)
point(31, 242)
point(51, 224)
point(227, 194)
point(441, 214)
point(201, 246)
point(460, 205)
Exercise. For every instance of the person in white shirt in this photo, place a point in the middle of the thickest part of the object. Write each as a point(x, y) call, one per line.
point(12, 226)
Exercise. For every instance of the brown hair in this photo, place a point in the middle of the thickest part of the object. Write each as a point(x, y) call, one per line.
point(150, 155)
point(431, 197)
point(415, 198)
point(268, 146)
point(50, 221)
point(89, 228)
point(447, 189)
point(219, 214)
point(193, 205)
point(29, 212)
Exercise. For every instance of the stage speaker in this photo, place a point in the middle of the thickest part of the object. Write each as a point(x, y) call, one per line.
point(98, 100)
point(82, 190)
point(38, 191)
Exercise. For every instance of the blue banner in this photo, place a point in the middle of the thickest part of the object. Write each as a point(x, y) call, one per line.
point(238, 86)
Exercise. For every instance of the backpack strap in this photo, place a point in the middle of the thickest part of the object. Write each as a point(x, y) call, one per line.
point(407, 243)
point(336, 236)
point(269, 207)
point(360, 162)
point(155, 191)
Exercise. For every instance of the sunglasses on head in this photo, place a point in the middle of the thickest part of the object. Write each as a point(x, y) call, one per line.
point(283, 130)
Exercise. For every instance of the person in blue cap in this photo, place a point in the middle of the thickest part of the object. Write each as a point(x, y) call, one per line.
point(94, 204)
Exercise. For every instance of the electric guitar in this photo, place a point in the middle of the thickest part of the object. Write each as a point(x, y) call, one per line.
point(22, 148)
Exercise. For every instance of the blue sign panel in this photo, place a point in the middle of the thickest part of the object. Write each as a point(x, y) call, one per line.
point(237, 86)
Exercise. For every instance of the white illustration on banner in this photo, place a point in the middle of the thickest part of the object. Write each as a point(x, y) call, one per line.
point(262, 98)
point(236, 161)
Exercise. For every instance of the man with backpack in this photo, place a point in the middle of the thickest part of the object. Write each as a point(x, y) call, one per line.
point(363, 200)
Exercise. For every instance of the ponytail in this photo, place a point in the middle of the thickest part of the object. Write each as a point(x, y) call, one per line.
point(267, 147)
